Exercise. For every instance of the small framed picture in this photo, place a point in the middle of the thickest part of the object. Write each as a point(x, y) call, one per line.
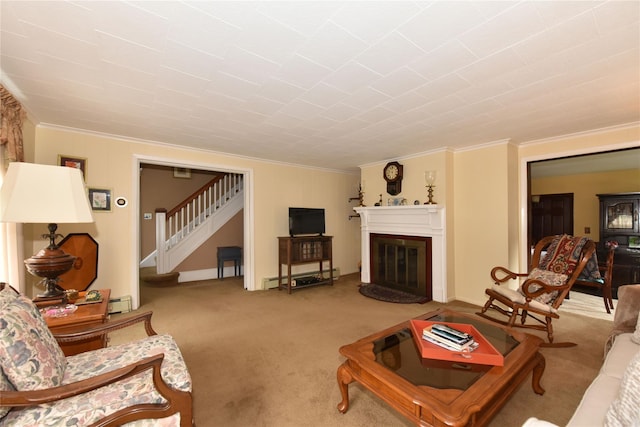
point(181, 173)
point(100, 199)
point(634, 242)
point(74, 162)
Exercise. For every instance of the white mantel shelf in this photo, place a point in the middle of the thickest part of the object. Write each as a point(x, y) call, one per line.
point(410, 220)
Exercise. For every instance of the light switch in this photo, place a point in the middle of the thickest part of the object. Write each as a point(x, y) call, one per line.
point(147, 215)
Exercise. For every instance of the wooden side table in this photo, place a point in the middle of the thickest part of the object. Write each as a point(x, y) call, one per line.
point(86, 316)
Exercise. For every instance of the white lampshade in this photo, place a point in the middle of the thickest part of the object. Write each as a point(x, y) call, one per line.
point(33, 193)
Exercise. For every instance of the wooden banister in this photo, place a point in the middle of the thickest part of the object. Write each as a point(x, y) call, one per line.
point(194, 195)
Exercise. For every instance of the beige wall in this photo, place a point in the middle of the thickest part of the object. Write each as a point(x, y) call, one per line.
point(585, 188)
point(486, 218)
point(113, 163)
point(205, 257)
point(413, 185)
point(484, 193)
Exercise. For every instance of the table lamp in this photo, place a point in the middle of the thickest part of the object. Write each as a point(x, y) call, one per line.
point(33, 193)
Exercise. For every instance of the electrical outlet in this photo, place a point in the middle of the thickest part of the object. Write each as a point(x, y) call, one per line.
point(147, 215)
point(587, 230)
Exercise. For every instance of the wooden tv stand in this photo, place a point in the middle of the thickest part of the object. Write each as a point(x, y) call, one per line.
point(304, 250)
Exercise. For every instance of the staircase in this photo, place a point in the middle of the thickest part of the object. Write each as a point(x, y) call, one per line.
point(184, 228)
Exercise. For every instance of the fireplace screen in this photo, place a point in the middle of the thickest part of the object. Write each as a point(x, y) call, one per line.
point(402, 263)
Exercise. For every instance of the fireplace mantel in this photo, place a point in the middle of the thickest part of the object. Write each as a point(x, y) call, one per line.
point(411, 220)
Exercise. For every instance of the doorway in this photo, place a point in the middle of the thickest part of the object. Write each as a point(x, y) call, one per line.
point(551, 214)
point(566, 166)
point(248, 223)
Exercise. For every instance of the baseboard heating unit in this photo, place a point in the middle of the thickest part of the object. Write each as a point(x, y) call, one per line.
point(120, 305)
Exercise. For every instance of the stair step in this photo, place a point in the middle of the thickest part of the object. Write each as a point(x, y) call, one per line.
point(152, 278)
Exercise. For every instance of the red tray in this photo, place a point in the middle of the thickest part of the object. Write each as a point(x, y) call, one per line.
point(485, 354)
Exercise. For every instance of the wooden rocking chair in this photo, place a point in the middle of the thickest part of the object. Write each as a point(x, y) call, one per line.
point(547, 283)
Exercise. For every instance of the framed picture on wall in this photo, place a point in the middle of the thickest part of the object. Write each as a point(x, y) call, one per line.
point(181, 173)
point(74, 162)
point(100, 199)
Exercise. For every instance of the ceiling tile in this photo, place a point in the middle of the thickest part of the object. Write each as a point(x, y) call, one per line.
point(248, 66)
point(372, 21)
point(369, 80)
point(390, 53)
point(302, 72)
point(365, 98)
point(321, 46)
point(504, 30)
point(400, 81)
point(444, 60)
point(324, 95)
point(352, 77)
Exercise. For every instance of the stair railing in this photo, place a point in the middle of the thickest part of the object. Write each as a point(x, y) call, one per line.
point(182, 220)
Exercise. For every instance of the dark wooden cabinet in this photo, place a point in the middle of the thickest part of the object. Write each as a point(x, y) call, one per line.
point(304, 250)
point(620, 222)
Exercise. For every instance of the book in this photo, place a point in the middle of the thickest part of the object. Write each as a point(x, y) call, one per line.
point(449, 346)
point(451, 334)
point(482, 352)
point(435, 339)
point(431, 334)
point(451, 331)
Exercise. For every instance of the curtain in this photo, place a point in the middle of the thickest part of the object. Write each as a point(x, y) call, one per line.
point(11, 150)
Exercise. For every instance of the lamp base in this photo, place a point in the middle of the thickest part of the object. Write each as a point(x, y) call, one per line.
point(430, 195)
point(50, 263)
point(53, 292)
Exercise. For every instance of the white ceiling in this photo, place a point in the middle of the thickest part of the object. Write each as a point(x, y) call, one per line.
point(320, 83)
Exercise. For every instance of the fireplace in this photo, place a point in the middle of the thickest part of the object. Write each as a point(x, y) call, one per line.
point(402, 263)
point(413, 221)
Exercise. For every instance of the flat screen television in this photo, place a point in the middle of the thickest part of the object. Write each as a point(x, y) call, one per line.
point(306, 221)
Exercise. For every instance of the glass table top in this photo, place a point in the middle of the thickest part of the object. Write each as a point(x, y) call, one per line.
point(399, 353)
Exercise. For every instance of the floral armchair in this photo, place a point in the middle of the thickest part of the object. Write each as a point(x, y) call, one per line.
point(137, 384)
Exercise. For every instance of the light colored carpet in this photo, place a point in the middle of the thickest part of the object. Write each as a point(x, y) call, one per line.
point(587, 305)
point(267, 358)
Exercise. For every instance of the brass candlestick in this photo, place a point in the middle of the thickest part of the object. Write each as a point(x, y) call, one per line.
point(430, 195)
point(430, 179)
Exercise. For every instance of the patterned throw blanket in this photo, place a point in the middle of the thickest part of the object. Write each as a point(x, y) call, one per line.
point(563, 256)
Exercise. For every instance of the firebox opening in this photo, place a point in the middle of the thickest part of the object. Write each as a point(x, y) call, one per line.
point(402, 263)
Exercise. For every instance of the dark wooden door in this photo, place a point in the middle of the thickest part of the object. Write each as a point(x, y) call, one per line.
point(551, 214)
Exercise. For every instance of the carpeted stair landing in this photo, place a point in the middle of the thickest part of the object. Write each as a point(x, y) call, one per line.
point(150, 277)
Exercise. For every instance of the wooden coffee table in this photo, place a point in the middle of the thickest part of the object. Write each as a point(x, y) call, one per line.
point(435, 392)
point(86, 316)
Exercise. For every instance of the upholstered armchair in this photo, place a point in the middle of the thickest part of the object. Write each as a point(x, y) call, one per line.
point(140, 383)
